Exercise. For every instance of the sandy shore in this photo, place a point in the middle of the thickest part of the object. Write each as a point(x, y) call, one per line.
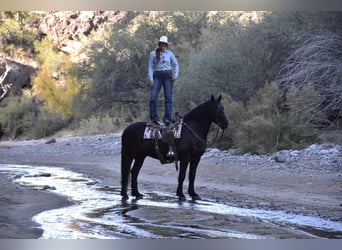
point(18, 205)
point(261, 183)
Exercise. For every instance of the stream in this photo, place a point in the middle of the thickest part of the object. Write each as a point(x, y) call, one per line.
point(98, 212)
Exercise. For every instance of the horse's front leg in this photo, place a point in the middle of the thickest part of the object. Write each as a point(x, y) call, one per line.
point(139, 160)
point(181, 177)
point(192, 175)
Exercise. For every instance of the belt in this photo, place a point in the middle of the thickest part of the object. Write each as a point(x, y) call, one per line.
point(163, 71)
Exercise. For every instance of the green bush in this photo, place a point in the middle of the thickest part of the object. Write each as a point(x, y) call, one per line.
point(17, 116)
point(47, 123)
point(98, 124)
point(269, 129)
point(21, 115)
point(256, 135)
point(16, 39)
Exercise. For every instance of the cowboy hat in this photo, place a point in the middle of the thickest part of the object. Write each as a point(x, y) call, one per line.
point(163, 39)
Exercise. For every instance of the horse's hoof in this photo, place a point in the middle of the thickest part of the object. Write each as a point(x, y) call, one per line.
point(124, 198)
point(181, 198)
point(139, 197)
point(196, 197)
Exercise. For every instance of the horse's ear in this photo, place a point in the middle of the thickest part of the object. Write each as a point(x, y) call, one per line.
point(219, 98)
point(212, 98)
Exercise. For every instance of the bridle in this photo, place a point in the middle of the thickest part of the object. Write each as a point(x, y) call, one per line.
point(205, 143)
point(213, 142)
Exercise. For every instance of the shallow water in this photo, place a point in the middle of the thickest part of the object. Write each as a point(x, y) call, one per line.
point(98, 211)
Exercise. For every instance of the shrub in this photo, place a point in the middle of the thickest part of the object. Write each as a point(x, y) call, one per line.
point(17, 116)
point(16, 40)
point(317, 62)
point(98, 124)
point(47, 123)
point(268, 129)
point(22, 115)
point(255, 135)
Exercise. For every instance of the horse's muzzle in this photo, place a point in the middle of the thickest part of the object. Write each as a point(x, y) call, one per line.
point(223, 125)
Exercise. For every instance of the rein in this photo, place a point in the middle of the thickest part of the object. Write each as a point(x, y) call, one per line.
point(205, 142)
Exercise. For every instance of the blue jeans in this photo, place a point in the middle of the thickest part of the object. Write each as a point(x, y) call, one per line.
point(161, 80)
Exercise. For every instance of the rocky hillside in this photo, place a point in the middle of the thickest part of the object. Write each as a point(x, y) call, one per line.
point(14, 76)
point(66, 29)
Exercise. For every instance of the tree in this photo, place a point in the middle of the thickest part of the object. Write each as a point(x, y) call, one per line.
point(55, 83)
point(317, 60)
point(16, 39)
point(114, 72)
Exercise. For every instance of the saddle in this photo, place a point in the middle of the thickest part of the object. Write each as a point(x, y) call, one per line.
point(168, 134)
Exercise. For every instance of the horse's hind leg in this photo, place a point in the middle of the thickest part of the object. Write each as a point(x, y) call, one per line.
point(192, 175)
point(139, 160)
point(126, 163)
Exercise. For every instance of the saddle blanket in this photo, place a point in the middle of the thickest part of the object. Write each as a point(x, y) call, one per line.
point(151, 131)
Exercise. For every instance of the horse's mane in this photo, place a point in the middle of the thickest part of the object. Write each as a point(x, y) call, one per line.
point(196, 112)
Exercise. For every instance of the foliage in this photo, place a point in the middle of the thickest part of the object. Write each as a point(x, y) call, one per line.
point(99, 124)
point(115, 77)
point(216, 67)
point(48, 56)
point(22, 115)
point(317, 61)
point(280, 76)
point(109, 76)
point(16, 41)
point(55, 83)
point(268, 129)
point(238, 60)
point(21, 17)
point(46, 123)
point(17, 115)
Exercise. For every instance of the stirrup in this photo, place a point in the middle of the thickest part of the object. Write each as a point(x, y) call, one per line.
point(170, 156)
point(158, 123)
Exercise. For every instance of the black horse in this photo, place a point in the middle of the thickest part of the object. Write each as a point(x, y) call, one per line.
point(189, 148)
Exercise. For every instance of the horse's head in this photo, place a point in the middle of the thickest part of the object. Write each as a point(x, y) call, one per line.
point(219, 116)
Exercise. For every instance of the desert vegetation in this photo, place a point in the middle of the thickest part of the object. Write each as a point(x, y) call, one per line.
point(280, 75)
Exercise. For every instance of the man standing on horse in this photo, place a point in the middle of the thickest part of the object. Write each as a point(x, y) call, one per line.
point(161, 75)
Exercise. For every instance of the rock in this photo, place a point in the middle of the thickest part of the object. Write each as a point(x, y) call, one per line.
point(53, 140)
point(68, 28)
point(215, 151)
point(13, 77)
point(281, 156)
point(42, 175)
point(47, 187)
point(313, 147)
point(294, 153)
